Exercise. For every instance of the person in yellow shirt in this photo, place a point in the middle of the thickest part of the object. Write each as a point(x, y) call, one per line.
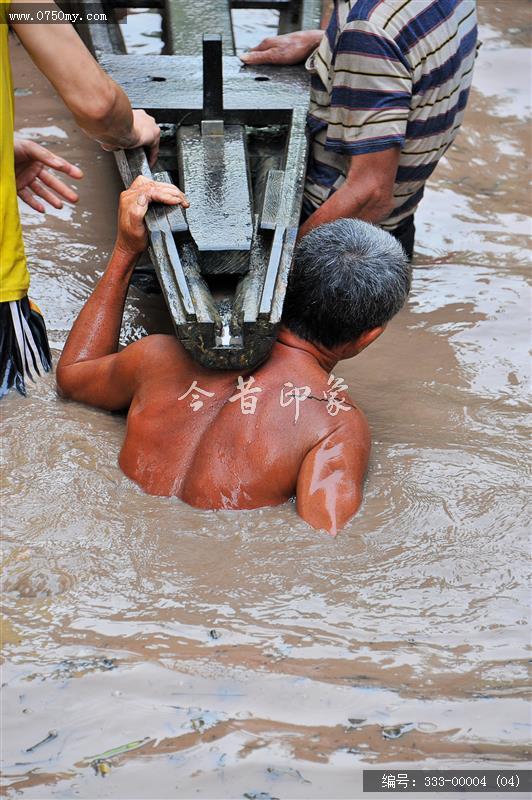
point(102, 110)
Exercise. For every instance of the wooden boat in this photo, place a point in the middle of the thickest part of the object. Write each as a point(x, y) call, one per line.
point(233, 138)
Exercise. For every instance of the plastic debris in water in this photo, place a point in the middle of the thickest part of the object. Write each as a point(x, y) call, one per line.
point(203, 720)
point(72, 667)
point(51, 736)
point(102, 768)
point(214, 634)
point(259, 796)
point(117, 751)
point(397, 731)
point(355, 722)
point(293, 773)
point(198, 724)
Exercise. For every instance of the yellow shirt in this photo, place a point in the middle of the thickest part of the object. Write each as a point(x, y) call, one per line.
point(14, 275)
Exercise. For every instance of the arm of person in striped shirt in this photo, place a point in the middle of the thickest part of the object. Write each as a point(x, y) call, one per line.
point(366, 193)
point(367, 105)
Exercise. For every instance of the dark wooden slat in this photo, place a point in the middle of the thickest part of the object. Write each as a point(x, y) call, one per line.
point(100, 39)
point(134, 163)
point(187, 20)
point(135, 3)
point(216, 182)
point(273, 4)
point(213, 93)
point(273, 197)
point(310, 14)
point(271, 273)
point(290, 212)
point(174, 214)
point(249, 290)
point(289, 17)
point(163, 250)
point(175, 84)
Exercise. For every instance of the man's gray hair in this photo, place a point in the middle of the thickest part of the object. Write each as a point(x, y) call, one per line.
point(348, 276)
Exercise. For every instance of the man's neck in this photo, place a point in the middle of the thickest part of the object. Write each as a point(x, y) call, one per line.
point(325, 357)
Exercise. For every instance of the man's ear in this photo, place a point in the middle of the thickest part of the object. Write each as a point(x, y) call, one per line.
point(351, 349)
point(366, 338)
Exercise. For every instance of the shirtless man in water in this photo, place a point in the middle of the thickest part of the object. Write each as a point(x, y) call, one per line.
point(244, 440)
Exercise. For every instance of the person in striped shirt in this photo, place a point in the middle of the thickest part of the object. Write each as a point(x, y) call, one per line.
point(390, 83)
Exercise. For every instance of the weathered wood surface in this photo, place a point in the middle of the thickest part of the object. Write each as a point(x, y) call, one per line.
point(310, 14)
point(273, 197)
point(186, 22)
point(162, 247)
point(99, 39)
point(227, 219)
point(289, 212)
point(171, 86)
point(214, 176)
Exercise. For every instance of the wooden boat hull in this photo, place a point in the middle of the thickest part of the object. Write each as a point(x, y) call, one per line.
point(233, 138)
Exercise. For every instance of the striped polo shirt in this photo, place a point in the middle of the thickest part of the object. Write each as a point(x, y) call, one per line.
point(389, 73)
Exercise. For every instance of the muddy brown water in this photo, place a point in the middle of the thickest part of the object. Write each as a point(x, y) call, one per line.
point(252, 654)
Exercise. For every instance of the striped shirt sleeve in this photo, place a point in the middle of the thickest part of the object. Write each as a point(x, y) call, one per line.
point(370, 93)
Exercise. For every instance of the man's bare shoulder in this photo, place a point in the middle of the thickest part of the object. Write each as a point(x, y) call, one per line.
point(344, 424)
point(156, 349)
point(355, 424)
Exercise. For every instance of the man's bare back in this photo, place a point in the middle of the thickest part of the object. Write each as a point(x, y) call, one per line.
point(219, 439)
point(224, 440)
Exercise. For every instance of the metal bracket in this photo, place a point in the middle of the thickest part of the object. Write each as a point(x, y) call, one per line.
point(212, 127)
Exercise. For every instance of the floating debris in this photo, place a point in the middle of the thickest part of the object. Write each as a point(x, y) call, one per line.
point(355, 722)
point(51, 736)
point(397, 731)
point(293, 773)
point(102, 768)
point(214, 634)
point(22, 92)
point(71, 667)
point(118, 751)
point(426, 727)
point(202, 720)
point(259, 796)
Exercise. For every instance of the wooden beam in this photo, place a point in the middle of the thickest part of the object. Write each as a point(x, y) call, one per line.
point(185, 22)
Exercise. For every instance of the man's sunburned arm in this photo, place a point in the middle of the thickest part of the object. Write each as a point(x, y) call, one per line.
point(90, 369)
point(330, 481)
point(99, 105)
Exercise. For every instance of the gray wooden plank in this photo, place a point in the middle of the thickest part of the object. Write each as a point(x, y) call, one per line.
point(133, 163)
point(273, 197)
point(99, 38)
point(216, 182)
point(311, 11)
point(175, 84)
point(289, 214)
point(274, 4)
point(174, 214)
point(270, 278)
point(185, 22)
point(162, 247)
